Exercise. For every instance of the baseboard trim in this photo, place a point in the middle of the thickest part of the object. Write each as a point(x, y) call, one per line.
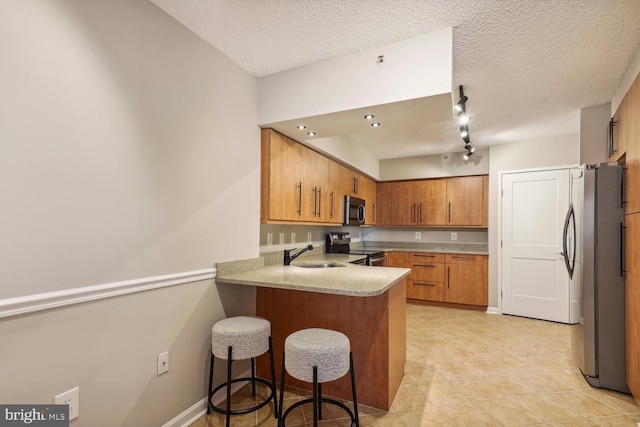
point(198, 409)
point(493, 310)
point(33, 303)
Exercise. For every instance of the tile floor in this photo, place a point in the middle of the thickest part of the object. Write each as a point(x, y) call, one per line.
point(477, 369)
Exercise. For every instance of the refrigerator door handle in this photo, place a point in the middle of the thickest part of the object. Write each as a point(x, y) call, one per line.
point(570, 219)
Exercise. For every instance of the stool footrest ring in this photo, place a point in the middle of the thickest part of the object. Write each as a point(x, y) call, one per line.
point(246, 410)
point(320, 400)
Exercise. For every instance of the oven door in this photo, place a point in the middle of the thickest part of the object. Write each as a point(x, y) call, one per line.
point(378, 261)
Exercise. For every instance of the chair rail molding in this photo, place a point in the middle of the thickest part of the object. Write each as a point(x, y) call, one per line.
point(44, 301)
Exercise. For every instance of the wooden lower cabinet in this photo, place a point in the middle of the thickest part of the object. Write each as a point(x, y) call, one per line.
point(632, 310)
point(449, 278)
point(466, 279)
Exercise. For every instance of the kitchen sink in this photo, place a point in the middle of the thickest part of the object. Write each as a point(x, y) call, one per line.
point(317, 264)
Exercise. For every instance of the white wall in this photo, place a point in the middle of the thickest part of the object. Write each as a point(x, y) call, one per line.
point(594, 133)
point(130, 148)
point(627, 80)
point(413, 68)
point(556, 151)
point(451, 164)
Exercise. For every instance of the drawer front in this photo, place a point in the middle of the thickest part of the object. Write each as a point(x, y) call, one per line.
point(427, 271)
point(424, 257)
point(425, 290)
point(464, 259)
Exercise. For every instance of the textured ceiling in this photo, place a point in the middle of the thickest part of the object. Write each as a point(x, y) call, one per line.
point(527, 66)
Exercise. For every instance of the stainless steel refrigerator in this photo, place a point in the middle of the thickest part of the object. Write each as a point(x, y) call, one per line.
point(595, 235)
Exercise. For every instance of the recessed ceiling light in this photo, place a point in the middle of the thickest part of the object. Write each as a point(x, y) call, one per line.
point(375, 125)
point(369, 116)
point(301, 127)
point(311, 133)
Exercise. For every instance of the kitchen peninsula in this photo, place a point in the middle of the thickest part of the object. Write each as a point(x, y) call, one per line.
point(365, 303)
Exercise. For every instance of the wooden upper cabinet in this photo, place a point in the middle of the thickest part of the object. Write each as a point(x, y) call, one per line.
point(404, 201)
point(338, 176)
point(384, 203)
point(633, 148)
point(618, 144)
point(283, 172)
point(465, 201)
point(368, 193)
point(432, 206)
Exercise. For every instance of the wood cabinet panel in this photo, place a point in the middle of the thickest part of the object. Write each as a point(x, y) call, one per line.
point(427, 271)
point(465, 204)
point(432, 202)
point(633, 148)
point(384, 208)
point(424, 257)
point(368, 193)
point(632, 303)
point(425, 290)
point(336, 192)
point(618, 145)
point(404, 196)
point(466, 280)
point(396, 259)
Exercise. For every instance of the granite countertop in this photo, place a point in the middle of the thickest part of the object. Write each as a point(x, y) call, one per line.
point(349, 279)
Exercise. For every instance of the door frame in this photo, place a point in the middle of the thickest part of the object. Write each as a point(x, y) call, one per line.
point(500, 195)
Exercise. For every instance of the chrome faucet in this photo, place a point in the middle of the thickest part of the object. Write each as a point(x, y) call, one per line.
point(288, 257)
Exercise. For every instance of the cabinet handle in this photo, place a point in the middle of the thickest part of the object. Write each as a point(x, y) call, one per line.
point(420, 211)
point(374, 211)
point(449, 213)
point(424, 255)
point(331, 211)
point(448, 276)
point(424, 284)
point(425, 265)
point(299, 186)
point(315, 201)
point(612, 123)
point(463, 257)
point(319, 202)
point(357, 185)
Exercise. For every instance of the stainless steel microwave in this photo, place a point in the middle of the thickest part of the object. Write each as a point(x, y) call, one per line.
point(354, 211)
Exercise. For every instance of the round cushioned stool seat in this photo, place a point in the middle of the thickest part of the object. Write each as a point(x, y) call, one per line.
point(326, 349)
point(249, 337)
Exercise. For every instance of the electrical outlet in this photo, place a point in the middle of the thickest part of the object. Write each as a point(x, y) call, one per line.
point(454, 236)
point(269, 238)
point(281, 238)
point(418, 235)
point(71, 398)
point(309, 237)
point(163, 363)
point(293, 238)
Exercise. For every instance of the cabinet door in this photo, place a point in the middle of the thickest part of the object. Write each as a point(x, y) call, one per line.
point(617, 147)
point(336, 192)
point(404, 203)
point(284, 176)
point(321, 184)
point(368, 193)
point(432, 203)
point(384, 203)
point(396, 259)
point(307, 164)
point(632, 303)
point(466, 279)
point(465, 201)
point(425, 290)
point(633, 148)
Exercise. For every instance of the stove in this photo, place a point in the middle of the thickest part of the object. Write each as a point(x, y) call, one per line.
point(340, 243)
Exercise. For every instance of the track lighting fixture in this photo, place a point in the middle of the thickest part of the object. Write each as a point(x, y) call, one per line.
point(461, 109)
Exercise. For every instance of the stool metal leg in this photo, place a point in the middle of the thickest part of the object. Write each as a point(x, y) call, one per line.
point(274, 389)
point(209, 394)
point(320, 400)
point(315, 396)
point(229, 361)
point(253, 376)
point(353, 391)
point(281, 419)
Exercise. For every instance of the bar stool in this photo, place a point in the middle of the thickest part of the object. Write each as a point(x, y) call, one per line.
point(318, 356)
point(241, 338)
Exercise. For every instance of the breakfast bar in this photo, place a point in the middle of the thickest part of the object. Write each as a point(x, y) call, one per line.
point(366, 304)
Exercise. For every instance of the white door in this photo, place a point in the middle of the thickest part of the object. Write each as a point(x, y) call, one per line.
point(534, 278)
